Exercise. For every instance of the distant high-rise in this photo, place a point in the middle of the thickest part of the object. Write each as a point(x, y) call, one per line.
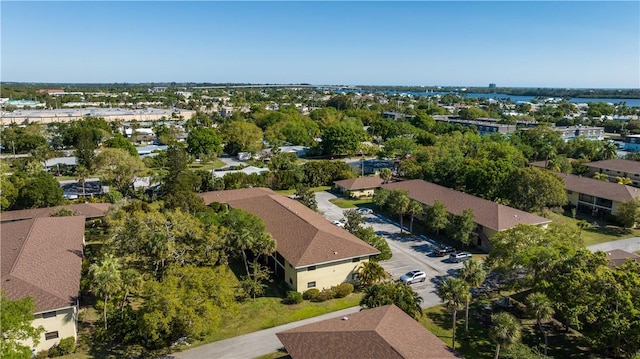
point(492, 86)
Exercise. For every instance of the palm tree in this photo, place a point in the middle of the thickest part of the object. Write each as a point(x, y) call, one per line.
point(415, 208)
point(81, 175)
point(624, 180)
point(540, 307)
point(385, 174)
point(106, 279)
point(474, 275)
point(601, 176)
point(609, 150)
point(399, 203)
point(370, 273)
point(454, 291)
point(505, 329)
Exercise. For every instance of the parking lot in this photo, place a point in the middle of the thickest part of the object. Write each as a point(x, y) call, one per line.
point(409, 252)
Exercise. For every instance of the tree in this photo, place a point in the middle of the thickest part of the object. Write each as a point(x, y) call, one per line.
point(119, 168)
point(385, 174)
point(400, 294)
point(306, 196)
point(624, 180)
point(247, 233)
point(414, 209)
point(532, 189)
point(354, 221)
point(40, 190)
point(370, 273)
point(601, 176)
point(82, 173)
point(119, 141)
point(16, 317)
point(474, 275)
point(241, 136)
point(204, 141)
point(381, 197)
point(437, 216)
point(454, 292)
point(399, 203)
point(106, 280)
point(505, 330)
point(629, 213)
point(8, 193)
point(462, 226)
point(342, 139)
point(541, 308)
point(609, 151)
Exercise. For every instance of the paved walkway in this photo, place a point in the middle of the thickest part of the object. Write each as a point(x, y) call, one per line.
point(254, 344)
point(629, 245)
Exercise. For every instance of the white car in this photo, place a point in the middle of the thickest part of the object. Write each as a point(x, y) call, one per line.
point(460, 256)
point(365, 210)
point(415, 275)
point(338, 223)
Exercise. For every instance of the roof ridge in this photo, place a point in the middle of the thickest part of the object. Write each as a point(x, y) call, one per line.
point(24, 244)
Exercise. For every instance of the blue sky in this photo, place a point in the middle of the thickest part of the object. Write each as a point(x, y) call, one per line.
point(452, 43)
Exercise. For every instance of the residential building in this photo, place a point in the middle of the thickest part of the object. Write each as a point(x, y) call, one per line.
point(247, 170)
point(484, 126)
point(595, 197)
point(572, 132)
point(310, 251)
point(632, 143)
point(383, 332)
point(368, 167)
point(86, 210)
point(490, 217)
point(42, 259)
point(618, 257)
point(358, 187)
point(617, 168)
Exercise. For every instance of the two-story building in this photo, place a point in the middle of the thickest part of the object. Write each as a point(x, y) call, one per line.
point(42, 259)
point(311, 252)
point(595, 197)
point(490, 217)
point(617, 168)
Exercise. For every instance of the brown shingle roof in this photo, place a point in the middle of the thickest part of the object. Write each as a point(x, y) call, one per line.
point(42, 259)
point(486, 213)
point(88, 210)
point(602, 189)
point(617, 165)
point(303, 237)
point(617, 257)
point(360, 183)
point(383, 332)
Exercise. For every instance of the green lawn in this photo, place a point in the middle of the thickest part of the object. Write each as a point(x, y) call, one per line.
point(276, 355)
point(351, 203)
point(289, 192)
point(206, 166)
point(267, 312)
point(598, 232)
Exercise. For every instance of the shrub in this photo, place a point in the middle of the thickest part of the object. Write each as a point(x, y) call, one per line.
point(43, 354)
point(66, 346)
point(343, 290)
point(293, 297)
point(322, 296)
point(113, 196)
point(311, 294)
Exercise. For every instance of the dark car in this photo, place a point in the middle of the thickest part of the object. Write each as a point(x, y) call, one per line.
point(443, 251)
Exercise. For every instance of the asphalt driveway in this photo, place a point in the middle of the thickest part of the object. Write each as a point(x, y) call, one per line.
point(409, 252)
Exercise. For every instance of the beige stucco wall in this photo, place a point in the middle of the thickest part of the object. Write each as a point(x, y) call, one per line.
point(362, 193)
point(325, 275)
point(65, 323)
point(575, 196)
point(23, 120)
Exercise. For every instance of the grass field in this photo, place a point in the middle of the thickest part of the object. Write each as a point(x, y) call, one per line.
point(598, 231)
point(206, 166)
point(289, 192)
point(352, 203)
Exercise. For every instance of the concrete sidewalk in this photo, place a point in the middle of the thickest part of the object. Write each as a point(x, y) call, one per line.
point(254, 344)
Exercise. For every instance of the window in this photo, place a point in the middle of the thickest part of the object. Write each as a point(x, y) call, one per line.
point(51, 335)
point(312, 268)
point(354, 260)
point(49, 314)
point(311, 284)
point(290, 281)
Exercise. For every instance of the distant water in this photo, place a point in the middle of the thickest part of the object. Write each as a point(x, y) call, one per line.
point(631, 102)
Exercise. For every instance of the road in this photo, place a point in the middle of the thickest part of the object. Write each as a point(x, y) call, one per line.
point(409, 252)
point(629, 245)
point(254, 344)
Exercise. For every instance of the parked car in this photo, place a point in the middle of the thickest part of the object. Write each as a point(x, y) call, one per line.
point(338, 223)
point(365, 210)
point(443, 251)
point(460, 256)
point(415, 275)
